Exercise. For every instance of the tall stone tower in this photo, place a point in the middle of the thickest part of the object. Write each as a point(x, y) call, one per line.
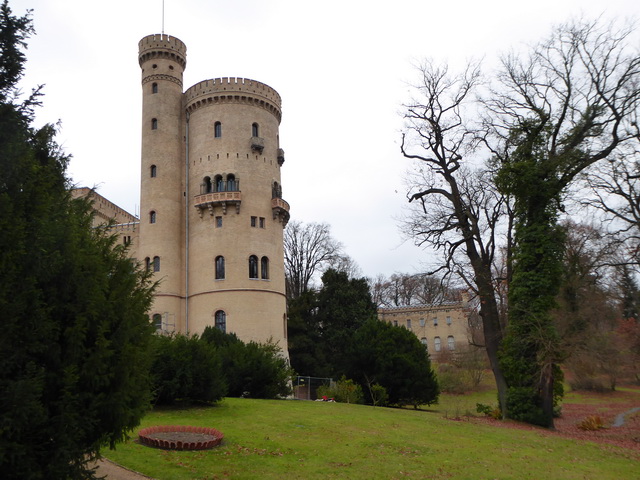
point(212, 213)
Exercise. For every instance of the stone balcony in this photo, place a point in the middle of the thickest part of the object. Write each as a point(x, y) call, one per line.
point(280, 210)
point(208, 201)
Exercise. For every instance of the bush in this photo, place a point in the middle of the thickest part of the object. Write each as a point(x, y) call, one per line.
point(251, 369)
point(345, 391)
point(591, 423)
point(451, 379)
point(186, 369)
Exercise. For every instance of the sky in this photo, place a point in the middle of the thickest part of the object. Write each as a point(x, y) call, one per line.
point(342, 67)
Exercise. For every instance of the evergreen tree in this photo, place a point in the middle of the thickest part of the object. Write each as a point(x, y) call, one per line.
point(73, 349)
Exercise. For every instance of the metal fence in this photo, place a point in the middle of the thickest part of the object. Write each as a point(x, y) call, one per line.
point(306, 388)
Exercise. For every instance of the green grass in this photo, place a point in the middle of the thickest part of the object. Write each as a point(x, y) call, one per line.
point(305, 440)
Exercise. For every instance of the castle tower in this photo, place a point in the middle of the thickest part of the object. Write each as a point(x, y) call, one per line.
point(213, 203)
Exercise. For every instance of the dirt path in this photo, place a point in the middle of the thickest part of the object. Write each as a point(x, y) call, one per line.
point(113, 471)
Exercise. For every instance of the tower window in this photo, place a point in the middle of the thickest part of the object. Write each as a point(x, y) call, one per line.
point(221, 320)
point(154, 88)
point(218, 222)
point(156, 264)
point(220, 267)
point(217, 130)
point(154, 124)
point(219, 183)
point(207, 186)
point(147, 263)
point(157, 321)
point(232, 185)
point(255, 130)
point(152, 217)
point(253, 266)
point(264, 268)
point(154, 171)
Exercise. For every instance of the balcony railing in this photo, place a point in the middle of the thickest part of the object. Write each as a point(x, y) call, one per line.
point(280, 210)
point(211, 200)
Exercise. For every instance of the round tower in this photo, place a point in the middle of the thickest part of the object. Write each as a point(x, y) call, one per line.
point(236, 213)
point(163, 59)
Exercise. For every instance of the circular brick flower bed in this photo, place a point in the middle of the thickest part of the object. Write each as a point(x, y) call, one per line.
point(179, 437)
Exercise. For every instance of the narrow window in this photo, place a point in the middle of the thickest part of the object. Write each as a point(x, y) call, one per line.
point(451, 343)
point(219, 183)
point(253, 266)
point(157, 321)
point(264, 268)
point(156, 264)
point(147, 263)
point(231, 183)
point(435, 321)
point(217, 130)
point(207, 186)
point(218, 222)
point(154, 88)
point(409, 323)
point(154, 124)
point(220, 267)
point(436, 342)
point(255, 130)
point(448, 320)
point(221, 320)
point(154, 171)
point(152, 217)
point(261, 222)
point(253, 221)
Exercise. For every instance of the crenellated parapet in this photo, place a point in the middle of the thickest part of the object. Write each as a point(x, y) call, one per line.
point(233, 90)
point(162, 46)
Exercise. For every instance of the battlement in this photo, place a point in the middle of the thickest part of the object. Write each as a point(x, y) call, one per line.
point(162, 46)
point(231, 89)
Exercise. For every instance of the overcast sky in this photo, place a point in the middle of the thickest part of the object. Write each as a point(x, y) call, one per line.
point(341, 66)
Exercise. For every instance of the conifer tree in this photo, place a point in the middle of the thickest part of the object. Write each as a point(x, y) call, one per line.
point(73, 347)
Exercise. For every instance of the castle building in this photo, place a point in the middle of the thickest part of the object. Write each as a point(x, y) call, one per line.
point(211, 208)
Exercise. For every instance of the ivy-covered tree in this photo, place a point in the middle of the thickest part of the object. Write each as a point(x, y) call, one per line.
point(74, 357)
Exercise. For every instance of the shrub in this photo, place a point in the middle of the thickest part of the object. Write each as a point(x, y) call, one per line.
point(345, 391)
point(591, 423)
point(489, 411)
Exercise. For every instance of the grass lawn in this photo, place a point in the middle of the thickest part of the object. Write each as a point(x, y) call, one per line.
point(271, 439)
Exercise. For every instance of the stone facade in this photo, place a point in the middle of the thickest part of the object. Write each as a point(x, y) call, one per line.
point(441, 327)
point(211, 208)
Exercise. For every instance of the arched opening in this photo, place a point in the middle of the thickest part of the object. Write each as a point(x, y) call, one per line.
point(219, 267)
point(154, 88)
point(154, 124)
point(437, 344)
point(156, 264)
point(264, 268)
point(152, 216)
point(232, 183)
point(255, 130)
point(221, 320)
point(154, 171)
point(157, 321)
point(219, 183)
point(217, 130)
point(451, 343)
point(207, 186)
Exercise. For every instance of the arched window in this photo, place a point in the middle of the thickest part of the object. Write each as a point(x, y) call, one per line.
point(219, 267)
point(154, 124)
point(207, 186)
point(255, 130)
point(253, 266)
point(156, 264)
point(219, 183)
point(436, 342)
point(147, 263)
point(154, 171)
point(276, 190)
point(157, 321)
point(231, 183)
point(264, 268)
point(221, 320)
point(451, 343)
point(152, 217)
point(217, 130)
point(154, 88)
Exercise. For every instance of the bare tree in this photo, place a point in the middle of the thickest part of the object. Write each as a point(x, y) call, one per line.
point(458, 210)
point(308, 249)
